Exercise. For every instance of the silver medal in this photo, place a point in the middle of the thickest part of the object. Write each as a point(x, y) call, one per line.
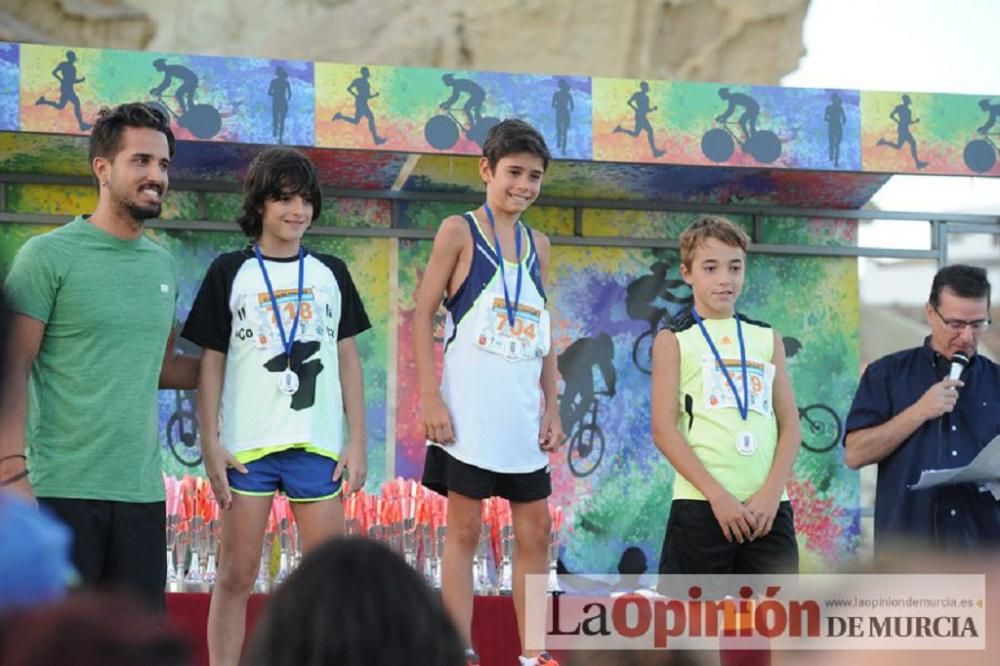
point(746, 443)
point(288, 382)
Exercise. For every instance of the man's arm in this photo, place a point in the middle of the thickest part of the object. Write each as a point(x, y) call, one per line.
point(729, 111)
point(25, 339)
point(448, 244)
point(455, 92)
point(866, 446)
point(179, 371)
point(352, 387)
point(158, 90)
point(764, 503)
point(735, 520)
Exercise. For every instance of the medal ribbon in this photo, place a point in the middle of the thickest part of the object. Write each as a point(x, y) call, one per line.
point(286, 342)
point(517, 245)
point(744, 404)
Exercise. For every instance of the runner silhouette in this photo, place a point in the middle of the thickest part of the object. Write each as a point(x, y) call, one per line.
point(360, 90)
point(476, 96)
point(185, 92)
point(576, 365)
point(639, 103)
point(640, 294)
point(562, 102)
point(989, 107)
point(835, 119)
point(903, 118)
point(280, 91)
point(751, 109)
point(65, 74)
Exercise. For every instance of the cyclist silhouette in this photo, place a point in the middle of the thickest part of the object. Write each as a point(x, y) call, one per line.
point(280, 91)
point(639, 103)
point(185, 92)
point(903, 117)
point(751, 109)
point(993, 110)
point(65, 74)
point(476, 96)
point(562, 102)
point(361, 90)
point(576, 365)
point(641, 293)
point(835, 119)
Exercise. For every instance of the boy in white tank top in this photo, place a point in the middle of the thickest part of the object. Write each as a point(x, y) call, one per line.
point(487, 432)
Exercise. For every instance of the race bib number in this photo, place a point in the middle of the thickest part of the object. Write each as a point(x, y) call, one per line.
point(527, 339)
point(311, 320)
point(718, 392)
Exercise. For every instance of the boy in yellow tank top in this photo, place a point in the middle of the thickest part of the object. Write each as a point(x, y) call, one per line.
point(724, 415)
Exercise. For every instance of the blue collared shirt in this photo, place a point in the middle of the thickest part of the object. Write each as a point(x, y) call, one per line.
point(957, 517)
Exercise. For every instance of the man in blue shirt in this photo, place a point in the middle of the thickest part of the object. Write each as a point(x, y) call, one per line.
point(907, 416)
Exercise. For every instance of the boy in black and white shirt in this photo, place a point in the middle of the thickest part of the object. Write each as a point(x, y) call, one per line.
point(279, 371)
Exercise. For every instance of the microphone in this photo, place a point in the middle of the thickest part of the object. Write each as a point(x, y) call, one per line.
point(959, 362)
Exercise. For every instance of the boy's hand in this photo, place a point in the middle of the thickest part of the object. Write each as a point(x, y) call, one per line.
point(736, 521)
point(551, 435)
point(216, 460)
point(436, 420)
point(763, 504)
point(355, 459)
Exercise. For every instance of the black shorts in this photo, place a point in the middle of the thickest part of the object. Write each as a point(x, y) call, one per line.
point(694, 544)
point(444, 473)
point(122, 545)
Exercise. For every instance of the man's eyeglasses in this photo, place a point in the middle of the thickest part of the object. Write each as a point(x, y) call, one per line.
point(958, 325)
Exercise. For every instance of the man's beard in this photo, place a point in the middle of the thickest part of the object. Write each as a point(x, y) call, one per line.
point(139, 212)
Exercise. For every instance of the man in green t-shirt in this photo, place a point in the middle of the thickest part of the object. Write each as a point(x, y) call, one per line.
point(91, 340)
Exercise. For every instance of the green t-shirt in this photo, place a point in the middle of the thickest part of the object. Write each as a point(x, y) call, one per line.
point(108, 309)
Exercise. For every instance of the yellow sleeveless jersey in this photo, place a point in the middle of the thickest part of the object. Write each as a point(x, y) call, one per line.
point(738, 453)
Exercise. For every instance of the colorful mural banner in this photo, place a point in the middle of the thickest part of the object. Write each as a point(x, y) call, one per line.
point(9, 86)
point(429, 110)
point(243, 100)
point(930, 133)
point(411, 110)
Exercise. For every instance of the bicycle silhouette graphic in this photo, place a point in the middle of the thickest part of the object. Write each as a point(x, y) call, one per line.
point(202, 120)
point(821, 425)
point(719, 143)
point(980, 154)
point(821, 428)
point(443, 130)
point(182, 431)
point(586, 444)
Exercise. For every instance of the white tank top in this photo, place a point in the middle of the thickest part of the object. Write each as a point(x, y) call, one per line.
point(491, 381)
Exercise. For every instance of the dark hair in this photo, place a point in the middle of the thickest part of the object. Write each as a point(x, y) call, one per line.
point(354, 602)
point(106, 136)
point(273, 173)
point(514, 136)
point(91, 629)
point(962, 280)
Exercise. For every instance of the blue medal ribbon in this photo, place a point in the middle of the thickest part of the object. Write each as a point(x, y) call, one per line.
point(511, 310)
point(286, 342)
point(744, 404)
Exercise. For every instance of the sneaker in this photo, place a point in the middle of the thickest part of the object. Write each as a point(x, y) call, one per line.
point(543, 659)
point(471, 658)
